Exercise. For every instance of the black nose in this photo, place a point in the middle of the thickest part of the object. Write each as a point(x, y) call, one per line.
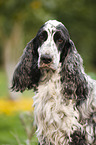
point(46, 59)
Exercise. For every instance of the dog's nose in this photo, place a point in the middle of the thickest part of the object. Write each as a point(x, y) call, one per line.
point(46, 58)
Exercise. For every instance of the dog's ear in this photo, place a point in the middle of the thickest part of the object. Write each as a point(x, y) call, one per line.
point(67, 48)
point(26, 74)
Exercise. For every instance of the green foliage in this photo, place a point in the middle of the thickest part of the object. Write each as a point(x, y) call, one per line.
point(12, 132)
point(92, 75)
point(3, 84)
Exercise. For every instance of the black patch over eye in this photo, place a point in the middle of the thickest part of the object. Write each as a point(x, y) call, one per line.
point(58, 38)
point(43, 36)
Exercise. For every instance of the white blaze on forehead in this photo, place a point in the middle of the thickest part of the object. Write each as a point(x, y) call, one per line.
point(50, 26)
point(54, 23)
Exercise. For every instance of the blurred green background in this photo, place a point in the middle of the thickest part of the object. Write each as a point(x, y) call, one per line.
point(19, 22)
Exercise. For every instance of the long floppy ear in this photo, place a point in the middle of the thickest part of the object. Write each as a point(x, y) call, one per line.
point(73, 77)
point(67, 48)
point(27, 74)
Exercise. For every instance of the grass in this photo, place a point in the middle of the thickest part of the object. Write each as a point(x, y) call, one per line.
point(10, 126)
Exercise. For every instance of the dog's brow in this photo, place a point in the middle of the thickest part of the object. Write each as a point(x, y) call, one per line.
point(51, 31)
point(50, 28)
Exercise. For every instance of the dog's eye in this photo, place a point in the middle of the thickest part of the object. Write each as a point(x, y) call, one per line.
point(58, 38)
point(43, 36)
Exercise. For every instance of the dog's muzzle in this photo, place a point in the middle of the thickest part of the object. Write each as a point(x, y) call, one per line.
point(45, 61)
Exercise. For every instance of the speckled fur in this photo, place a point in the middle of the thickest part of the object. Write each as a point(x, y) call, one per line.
point(56, 120)
point(65, 100)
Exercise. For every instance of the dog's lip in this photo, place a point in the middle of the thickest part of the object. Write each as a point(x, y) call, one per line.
point(46, 66)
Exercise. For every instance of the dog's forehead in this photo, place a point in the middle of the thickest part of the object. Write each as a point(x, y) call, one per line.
point(52, 25)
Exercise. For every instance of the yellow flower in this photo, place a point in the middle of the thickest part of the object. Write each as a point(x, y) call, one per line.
point(8, 106)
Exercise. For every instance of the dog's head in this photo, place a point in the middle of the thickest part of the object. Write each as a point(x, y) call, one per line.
point(45, 51)
point(54, 40)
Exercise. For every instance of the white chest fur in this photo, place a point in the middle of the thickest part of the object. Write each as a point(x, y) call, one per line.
point(54, 119)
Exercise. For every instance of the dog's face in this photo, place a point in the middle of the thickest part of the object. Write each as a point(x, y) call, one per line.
point(52, 36)
point(44, 52)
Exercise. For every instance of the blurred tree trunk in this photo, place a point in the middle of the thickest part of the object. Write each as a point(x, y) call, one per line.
point(13, 50)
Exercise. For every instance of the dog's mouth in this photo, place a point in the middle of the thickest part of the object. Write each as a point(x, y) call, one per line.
point(47, 66)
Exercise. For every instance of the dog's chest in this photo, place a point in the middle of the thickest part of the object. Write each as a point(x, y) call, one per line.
point(55, 121)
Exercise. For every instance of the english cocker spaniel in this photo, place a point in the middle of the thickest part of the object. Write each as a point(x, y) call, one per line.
point(65, 100)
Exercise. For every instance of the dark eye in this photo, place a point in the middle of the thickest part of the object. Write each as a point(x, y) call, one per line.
point(58, 38)
point(43, 36)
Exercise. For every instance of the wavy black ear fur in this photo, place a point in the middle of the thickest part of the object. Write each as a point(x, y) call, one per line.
point(68, 47)
point(27, 74)
point(72, 74)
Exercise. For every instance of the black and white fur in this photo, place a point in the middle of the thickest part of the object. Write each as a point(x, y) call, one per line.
point(65, 100)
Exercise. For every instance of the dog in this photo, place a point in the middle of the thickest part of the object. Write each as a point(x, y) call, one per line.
point(65, 100)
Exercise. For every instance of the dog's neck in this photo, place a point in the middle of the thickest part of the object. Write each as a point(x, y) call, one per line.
point(48, 74)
